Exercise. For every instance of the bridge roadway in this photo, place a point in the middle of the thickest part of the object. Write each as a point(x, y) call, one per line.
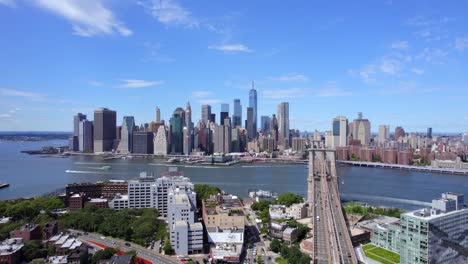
point(332, 242)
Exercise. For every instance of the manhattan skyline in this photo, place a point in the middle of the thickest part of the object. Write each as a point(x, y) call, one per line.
point(400, 63)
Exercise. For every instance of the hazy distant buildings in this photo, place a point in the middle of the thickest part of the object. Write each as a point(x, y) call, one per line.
point(126, 140)
point(384, 134)
point(340, 132)
point(206, 113)
point(158, 115)
point(299, 144)
point(265, 125)
point(399, 132)
point(104, 129)
point(224, 113)
point(85, 136)
point(429, 132)
point(362, 129)
point(283, 124)
point(160, 142)
point(253, 104)
point(237, 113)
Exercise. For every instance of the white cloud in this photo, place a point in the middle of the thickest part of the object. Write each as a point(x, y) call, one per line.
point(169, 12)
point(367, 73)
point(289, 93)
point(25, 94)
point(461, 44)
point(401, 45)
point(88, 17)
point(417, 71)
point(201, 94)
point(292, 77)
point(231, 48)
point(433, 55)
point(132, 84)
point(95, 83)
point(9, 3)
point(211, 101)
point(390, 66)
point(6, 116)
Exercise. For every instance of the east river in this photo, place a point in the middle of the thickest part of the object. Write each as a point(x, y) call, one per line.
point(32, 175)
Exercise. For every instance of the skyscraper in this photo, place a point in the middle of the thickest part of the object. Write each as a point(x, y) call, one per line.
point(158, 115)
point(222, 139)
point(213, 118)
point(384, 134)
point(176, 131)
point(85, 136)
point(206, 113)
point(188, 130)
point(160, 142)
point(249, 124)
point(253, 104)
point(362, 129)
point(143, 142)
point(265, 125)
point(340, 132)
point(283, 124)
point(126, 141)
point(429, 132)
point(104, 129)
point(237, 113)
point(75, 139)
point(274, 129)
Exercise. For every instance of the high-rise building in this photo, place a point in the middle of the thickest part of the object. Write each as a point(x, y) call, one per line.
point(362, 128)
point(222, 117)
point(274, 129)
point(104, 132)
point(126, 140)
point(206, 113)
point(340, 132)
point(213, 118)
point(85, 136)
point(283, 124)
point(384, 134)
point(142, 142)
point(176, 131)
point(235, 139)
point(265, 125)
point(160, 142)
point(399, 132)
point(465, 138)
point(253, 104)
point(158, 115)
point(299, 144)
point(222, 139)
point(249, 125)
point(429, 132)
point(188, 130)
point(237, 113)
point(75, 139)
point(141, 192)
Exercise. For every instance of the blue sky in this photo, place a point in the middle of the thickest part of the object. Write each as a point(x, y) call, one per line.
point(399, 62)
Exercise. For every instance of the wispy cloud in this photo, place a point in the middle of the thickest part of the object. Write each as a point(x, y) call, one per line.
point(201, 94)
point(461, 44)
point(417, 71)
point(211, 101)
point(430, 28)
point(5, 116)
point(95, 83)
point(134, 84)
point(169, 12)
point(367, 73)
point(332, 92)
point(433, 55)
point(153, 53)
point(25, 94)
point(9, 3)
point(88, 17)
point(401, 45)
point(292, 77)
point(229, 48)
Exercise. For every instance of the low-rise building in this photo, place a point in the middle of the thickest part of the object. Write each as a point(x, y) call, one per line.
point(295, 211)
point(27, 232)
point(10, 250)
point(290, 235)
point(98, 202)
point(119, 202)
point(226, 246)
point(76, 201)
point(49, 230)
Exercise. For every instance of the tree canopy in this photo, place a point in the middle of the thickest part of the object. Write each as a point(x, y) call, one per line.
point(289, 198)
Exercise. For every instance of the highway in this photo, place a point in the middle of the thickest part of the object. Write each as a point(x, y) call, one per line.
point(109, 242)
point(332, 242)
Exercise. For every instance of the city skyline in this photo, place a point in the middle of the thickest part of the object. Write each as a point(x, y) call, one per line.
point(402, 63)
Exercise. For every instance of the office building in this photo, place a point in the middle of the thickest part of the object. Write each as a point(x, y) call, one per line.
point(158, 115)
point(160, 142)
point(299, 144)
point(176, 131)
point(237, 113)
point(253, 104)
point(384, 134)
point(143, 143)
point(362, 128)
point(222, 117)
point(399, 132)
point(76, 126)
point(340, 132)
point(265, 125)
point(85, 136)
point(126, 140)
point(328, 139)
point(104, 132)
point(429, 132)
point(249, 124)
point(283, 124)
point(434, 235)
point(163, 186)
point(213, 118)
point(141, 192)
point(206, 113)
point(222, 139)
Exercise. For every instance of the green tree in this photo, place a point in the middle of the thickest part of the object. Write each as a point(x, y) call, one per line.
point(259, 259)
point(32, 250)
point(204, 191)
point(261, 205)
point(103, 254)
point(275, 245)
point(167, 248)
point(289, 198)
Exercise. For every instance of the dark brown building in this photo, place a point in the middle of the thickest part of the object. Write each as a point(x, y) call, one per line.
point(111, 189)
point(92, 190)
point(76, 201)
point(49, 230)
point(27, 232)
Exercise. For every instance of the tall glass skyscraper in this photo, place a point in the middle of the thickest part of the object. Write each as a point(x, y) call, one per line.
point(253, 104)
point(237, 114)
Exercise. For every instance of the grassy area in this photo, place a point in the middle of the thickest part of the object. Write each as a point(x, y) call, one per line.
point(281, 261)
point(381, 255)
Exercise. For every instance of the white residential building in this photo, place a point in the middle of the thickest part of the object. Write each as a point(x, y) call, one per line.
point(141, 191)
point(163, 186)
point(119, 202)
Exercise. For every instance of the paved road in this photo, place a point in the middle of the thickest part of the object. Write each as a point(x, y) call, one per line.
point(259, 244)
point(141, 252)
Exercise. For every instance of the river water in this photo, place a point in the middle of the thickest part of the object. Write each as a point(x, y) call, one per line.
point(31, 175)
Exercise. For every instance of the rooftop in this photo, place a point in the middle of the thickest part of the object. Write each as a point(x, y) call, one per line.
point(11, 245)
point(369, 224)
